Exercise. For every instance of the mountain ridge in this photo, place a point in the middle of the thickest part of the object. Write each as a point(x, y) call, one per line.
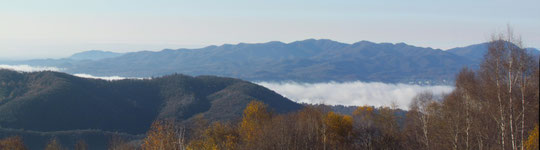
point(298, 56)
point(310, 60)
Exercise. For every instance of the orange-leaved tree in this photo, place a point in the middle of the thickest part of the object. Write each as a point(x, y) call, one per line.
point(12, 143)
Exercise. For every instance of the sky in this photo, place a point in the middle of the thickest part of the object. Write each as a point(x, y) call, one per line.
point(58, 28)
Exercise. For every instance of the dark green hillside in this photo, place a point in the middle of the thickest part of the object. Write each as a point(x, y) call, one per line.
point(52, 101)
point(96, 139)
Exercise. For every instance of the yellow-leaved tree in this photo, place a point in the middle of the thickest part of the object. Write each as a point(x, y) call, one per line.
point(338, 130)
point(364, 116)
point(255, 117)
point(216, 136)
point(532, 141)
point(163, 135)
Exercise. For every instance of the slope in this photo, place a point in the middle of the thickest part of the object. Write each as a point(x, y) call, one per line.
point(52, 101)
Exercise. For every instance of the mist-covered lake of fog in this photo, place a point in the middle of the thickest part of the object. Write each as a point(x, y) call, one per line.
point(353, 93)
point(332, 93)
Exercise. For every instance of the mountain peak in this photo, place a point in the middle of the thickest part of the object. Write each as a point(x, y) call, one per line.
point(363, 42)
point(94, 55)
point(312, 40)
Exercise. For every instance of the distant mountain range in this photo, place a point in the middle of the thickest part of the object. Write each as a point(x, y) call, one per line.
point(476, 52)
point(303, 61)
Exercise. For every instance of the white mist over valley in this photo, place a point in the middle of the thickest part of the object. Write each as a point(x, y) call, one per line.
point(332, 93)
point(28, 68)
point(353, 93)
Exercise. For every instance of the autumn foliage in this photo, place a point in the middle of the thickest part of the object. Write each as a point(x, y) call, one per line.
point(12, 143)
point(532, 141)
point(54, 144)
point(163, 135)
point(216, 136)
point(338, 129)
point(254, 119)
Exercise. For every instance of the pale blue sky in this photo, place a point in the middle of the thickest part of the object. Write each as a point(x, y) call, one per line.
point(58, 28)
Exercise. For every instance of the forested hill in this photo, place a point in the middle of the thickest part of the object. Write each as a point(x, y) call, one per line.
point(303, 61)
point(53, 101)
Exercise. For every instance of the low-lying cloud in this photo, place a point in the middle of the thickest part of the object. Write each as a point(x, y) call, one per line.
point(353, 93)
point(27, 68)
point(109, 78)
point(332, 93)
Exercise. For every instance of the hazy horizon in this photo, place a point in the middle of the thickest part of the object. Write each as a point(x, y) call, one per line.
point(201, 46)
point(58, 28)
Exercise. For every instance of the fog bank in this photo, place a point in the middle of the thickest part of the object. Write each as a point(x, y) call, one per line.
point(332, 93)
point(109, 78)
point(353, 93)
point(27, 68)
